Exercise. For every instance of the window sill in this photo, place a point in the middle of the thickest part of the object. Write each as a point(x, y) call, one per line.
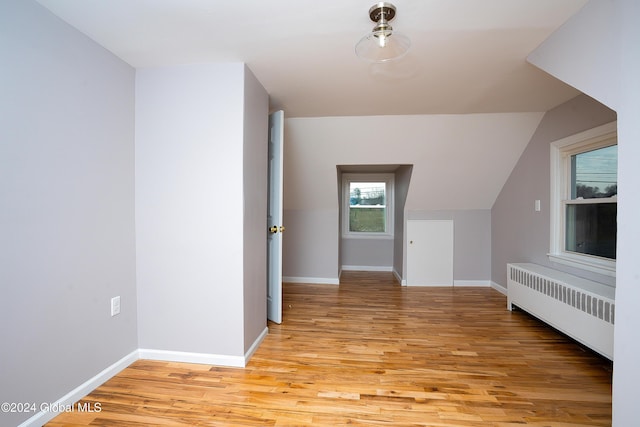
point(592, 264)
point(364, 236)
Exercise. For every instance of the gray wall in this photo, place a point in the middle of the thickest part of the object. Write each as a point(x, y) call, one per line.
point(255, 191)
point(304, 245)
point(67, 218)
point(369, 253)
point(448, 153)
point(519, 234)
point(402, 183)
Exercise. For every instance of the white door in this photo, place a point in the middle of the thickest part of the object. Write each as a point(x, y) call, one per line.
point(274, 218)
point(429, 253)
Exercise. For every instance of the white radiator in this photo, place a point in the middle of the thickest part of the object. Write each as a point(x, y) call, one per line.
point(580, 308)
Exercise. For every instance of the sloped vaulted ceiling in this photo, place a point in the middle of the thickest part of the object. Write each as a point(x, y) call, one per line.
point(468, 56)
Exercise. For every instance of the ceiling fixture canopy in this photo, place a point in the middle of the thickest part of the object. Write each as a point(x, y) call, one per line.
point(382, 44)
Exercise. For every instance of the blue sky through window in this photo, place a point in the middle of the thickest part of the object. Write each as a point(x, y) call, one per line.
point(597, 168)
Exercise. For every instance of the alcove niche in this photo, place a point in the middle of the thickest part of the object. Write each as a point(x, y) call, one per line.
point(376, 243)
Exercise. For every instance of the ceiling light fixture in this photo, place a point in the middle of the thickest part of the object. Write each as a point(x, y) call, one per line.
point(382, 44)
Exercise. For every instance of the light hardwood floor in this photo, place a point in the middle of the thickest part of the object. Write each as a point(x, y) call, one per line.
point(372, 353)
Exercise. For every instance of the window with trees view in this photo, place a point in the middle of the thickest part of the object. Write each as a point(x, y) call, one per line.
point(586, 188)
point(591, 209)
point(367, 204)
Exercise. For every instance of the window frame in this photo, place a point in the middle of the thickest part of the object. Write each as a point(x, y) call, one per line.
point(561, 152)
point(388, 179)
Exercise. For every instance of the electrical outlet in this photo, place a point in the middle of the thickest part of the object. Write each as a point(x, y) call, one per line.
point(115, 306)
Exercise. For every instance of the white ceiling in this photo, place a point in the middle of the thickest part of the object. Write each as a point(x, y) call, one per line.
point(467, 56)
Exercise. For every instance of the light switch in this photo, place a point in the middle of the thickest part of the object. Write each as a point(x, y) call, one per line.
point(115, 306)
point(537, 205)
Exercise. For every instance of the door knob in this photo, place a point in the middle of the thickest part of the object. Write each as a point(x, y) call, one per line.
point(273, 229)
point(282, 228)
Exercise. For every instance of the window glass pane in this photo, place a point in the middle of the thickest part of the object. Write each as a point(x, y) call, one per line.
point(367, 207)
point(591, 229)
point(367, 193)
point(367, 219)
point(594, 174)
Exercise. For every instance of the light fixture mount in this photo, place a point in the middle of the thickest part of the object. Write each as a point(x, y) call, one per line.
point(382, 10)
point(382, 44)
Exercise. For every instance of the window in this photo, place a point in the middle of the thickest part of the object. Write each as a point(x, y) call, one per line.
point(367, 205)
point(584, 207)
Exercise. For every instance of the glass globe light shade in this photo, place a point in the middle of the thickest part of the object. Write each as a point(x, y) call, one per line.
point(383, 45)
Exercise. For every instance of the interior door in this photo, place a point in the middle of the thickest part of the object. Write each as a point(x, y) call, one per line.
point(429, 253)
point(274, 218)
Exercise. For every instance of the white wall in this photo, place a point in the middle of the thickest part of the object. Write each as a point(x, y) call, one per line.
point(460, 162)
point(589, 63)
point(67, 219)
point(609, 71)
point(189, 208)
point(626, 374)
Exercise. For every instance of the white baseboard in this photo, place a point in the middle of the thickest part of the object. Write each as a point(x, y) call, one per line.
point(205, 358)
point(399, 278)
point(481, 283)
point(88, 386)
point(499, 288)
point(255, 345)
point(312, 280)
point(187, 357)
point(81, 391)
point(366, 268)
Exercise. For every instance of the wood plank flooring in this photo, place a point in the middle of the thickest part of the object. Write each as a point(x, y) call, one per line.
point(372, 353)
